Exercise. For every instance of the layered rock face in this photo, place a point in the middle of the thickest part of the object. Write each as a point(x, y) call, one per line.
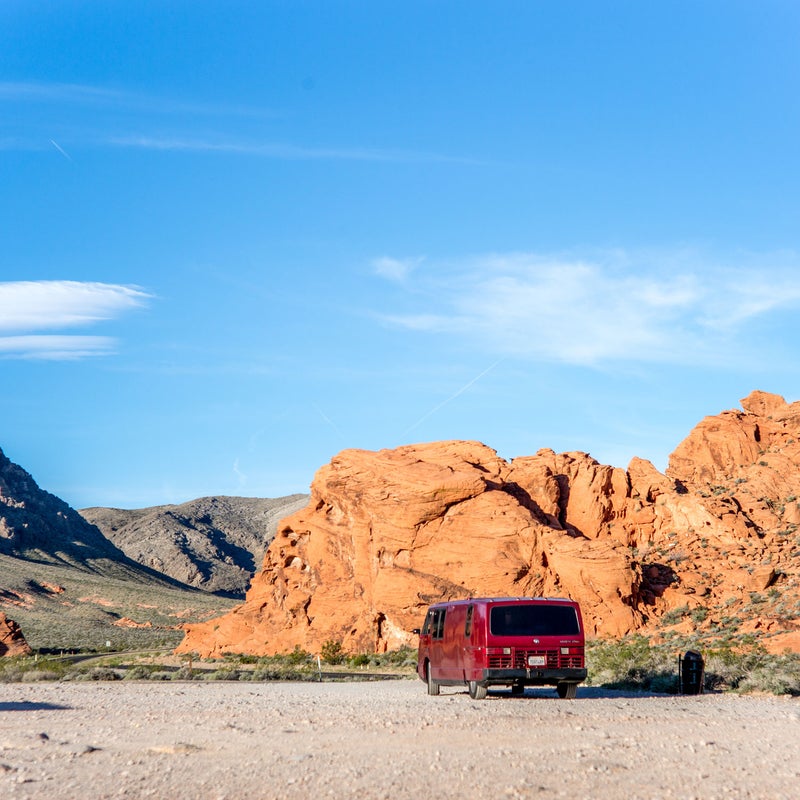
point(386, 533)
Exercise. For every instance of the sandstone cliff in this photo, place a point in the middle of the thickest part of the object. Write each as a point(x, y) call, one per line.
point(709, 545)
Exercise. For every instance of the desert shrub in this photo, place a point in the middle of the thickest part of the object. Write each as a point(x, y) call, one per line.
point(163, 675)
point(282, 673)
point(11, 672)
point(405, 656)
point(93, 674)
point(224, 674)
point(185, 673)
point(632, 664)
point(699, 614)
point(780, 676)
point(331, 652)
point(359, 660)
point(36, 675)
point(299, 656)
point(753, 670)
point(674, 616)
point(140, 672)
point(240, 658)
point(32, 668)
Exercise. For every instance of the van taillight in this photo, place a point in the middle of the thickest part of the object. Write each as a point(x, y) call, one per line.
point(498, 651)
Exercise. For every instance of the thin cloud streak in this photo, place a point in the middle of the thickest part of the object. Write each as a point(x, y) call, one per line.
point(55, 347)
point(75, 94)
point(279, 150)
point(61, 150)
point(149, 111)
point(590, 311)
point(57, 92)
point(451, 398)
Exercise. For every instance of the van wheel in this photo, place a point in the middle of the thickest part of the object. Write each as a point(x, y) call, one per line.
point(567, 691)
point(477, 691)
point(433, 687)
point(517, 689)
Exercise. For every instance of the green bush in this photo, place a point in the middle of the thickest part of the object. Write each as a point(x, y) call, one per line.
point(403, 657)
point(224, 674)
point(299, 656)
point(331, 652)
point(632, 664)
point(140, 672)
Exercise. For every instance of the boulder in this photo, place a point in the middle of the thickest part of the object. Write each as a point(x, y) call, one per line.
point(12, 642)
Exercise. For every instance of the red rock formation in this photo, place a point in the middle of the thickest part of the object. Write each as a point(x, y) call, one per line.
point(388, 532)
point(12, 642)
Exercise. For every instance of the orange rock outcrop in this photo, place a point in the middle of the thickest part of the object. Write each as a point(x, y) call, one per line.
point(12, 642)
point(709, 544)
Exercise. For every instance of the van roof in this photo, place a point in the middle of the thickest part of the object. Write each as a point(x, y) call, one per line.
point(488, 600)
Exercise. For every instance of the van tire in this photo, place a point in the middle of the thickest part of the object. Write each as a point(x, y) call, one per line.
point(567, 691)
point(477, 691)
point(433, 687)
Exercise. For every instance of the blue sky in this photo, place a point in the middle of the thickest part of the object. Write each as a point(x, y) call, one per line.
point(238, 238)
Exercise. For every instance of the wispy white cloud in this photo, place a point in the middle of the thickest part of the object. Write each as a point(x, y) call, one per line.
point(605, 307)
point(27, 307)
point(395, 269)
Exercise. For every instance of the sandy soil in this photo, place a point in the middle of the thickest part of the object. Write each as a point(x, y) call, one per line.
point(388, 740)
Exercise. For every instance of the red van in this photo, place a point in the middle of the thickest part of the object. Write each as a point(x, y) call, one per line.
point(503, 641)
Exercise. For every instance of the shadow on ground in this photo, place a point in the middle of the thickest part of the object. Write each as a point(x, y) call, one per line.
point(25, 705)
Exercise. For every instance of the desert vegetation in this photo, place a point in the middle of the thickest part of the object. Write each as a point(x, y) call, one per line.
point(634, 664)
point(637, 663)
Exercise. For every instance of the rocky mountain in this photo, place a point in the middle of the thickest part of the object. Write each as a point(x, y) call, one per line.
point(709, 548)
point(214, 543)
point(66, 586)
point(38, 526)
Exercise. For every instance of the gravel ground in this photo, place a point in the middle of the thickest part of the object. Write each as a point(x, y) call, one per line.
point(388, 740)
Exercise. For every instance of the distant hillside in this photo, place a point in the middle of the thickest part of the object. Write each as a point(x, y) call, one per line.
point(69, 587)
point(38, 526)
point(214, 543)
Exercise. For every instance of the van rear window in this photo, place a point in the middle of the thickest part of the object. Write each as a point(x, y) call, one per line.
point(533, 620)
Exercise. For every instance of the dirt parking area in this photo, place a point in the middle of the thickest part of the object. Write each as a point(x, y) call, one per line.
point(388, 739)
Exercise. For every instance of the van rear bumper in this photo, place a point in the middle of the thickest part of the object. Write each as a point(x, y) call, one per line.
point(533, 677)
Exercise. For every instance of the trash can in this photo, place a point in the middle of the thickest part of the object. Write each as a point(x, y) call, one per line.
point(691, 669)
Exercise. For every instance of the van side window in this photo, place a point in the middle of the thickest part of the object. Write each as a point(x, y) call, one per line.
point(438, 623)
point(428, 626)
point(468, 623)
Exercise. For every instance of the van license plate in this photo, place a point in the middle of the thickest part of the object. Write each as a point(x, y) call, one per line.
point(537, 661)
